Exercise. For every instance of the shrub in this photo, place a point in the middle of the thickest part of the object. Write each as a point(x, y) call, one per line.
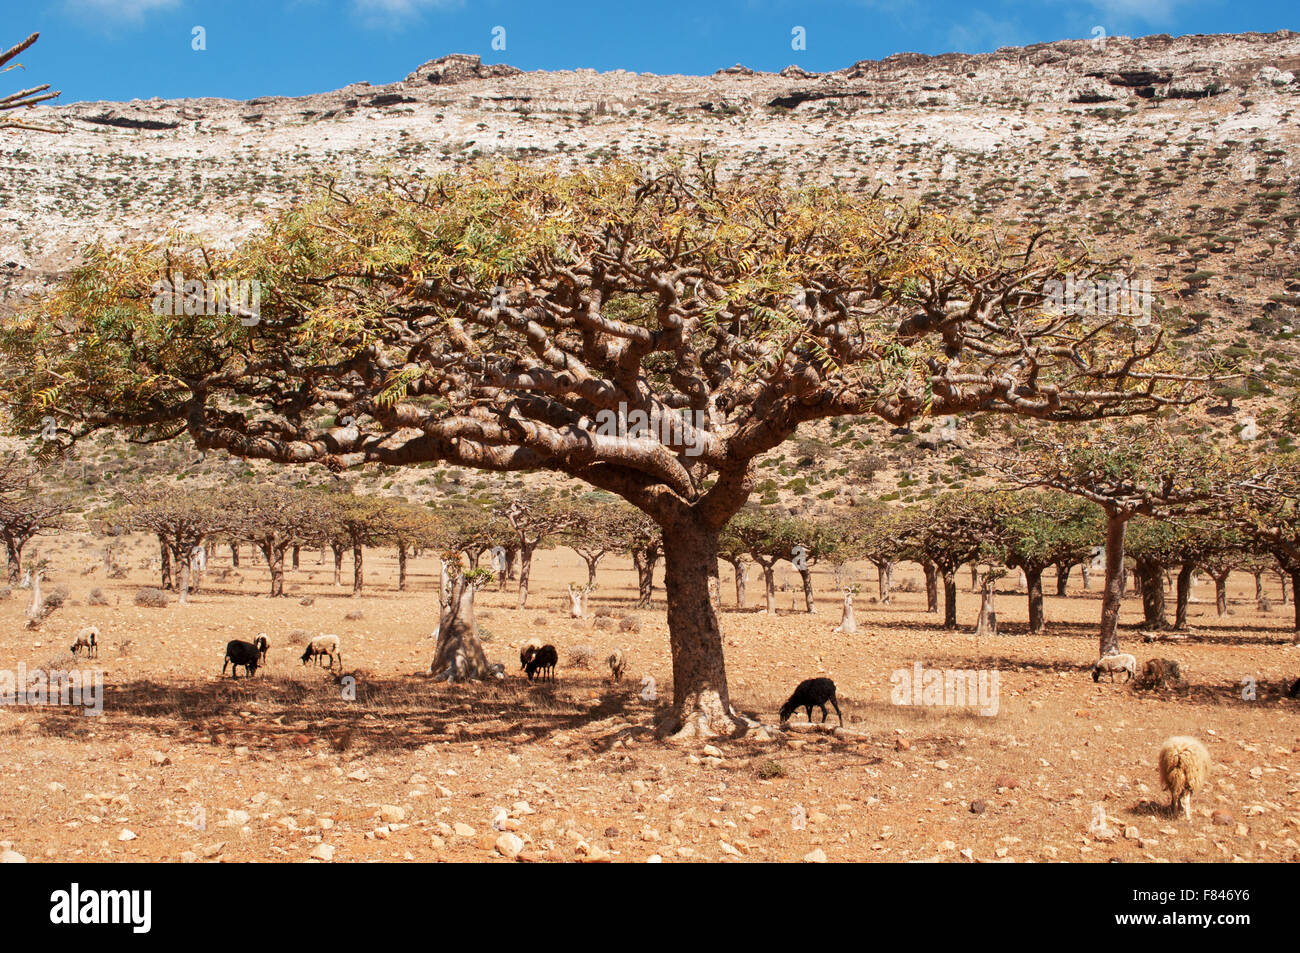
point(151, 598)
point(96, 597)
point(580, 656)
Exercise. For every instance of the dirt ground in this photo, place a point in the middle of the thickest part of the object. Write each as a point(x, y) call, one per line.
point(185, 765)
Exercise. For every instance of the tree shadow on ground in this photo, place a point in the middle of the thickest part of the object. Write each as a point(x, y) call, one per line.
point(270, 714)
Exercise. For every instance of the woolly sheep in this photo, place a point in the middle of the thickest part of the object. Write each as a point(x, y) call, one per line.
point(1113, 664)
point(87, 640)
point(617, 664)
point(1184, 767)
point(526, 651)
point(323, 645)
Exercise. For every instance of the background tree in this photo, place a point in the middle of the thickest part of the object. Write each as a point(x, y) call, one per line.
point(1037, 530)
point(409, 528)
point(1128, 470)
point(272, 518)
point(535, 518)
point(516, 318)
point(357, 521)
point(178, 517)
point(948, 532)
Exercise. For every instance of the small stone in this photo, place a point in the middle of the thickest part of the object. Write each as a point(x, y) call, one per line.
point(902, 744)
point(815, 856)
point(392, 814)
point(126, 835)
point(1222, 817)
point(978, 806)
point(509, 845)
point(12, 857)
point(323, 852)
point(462, 829)
point(1006, 781)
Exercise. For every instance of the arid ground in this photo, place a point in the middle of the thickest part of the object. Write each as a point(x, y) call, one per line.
point(186, 765)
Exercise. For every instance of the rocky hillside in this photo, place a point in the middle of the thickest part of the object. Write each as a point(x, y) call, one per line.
point(1179, 153)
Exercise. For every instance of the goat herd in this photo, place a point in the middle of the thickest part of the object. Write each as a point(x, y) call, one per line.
point(1183, 763)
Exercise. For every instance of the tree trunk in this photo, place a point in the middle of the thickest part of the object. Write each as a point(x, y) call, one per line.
point(988, 618)
point(358, 571)
point(338, 563)
point(1184, 594)
point(165, 560)
point(234, 554)
point(974, 577)
point(401, 568)
point(525, 567)
point(1220, 592)
point(1034, 586)
point(577, 602)
point(769, 588)
point(645, 560)
point(741, 569)
point(1085, 572)
point(715, 585)
point(15, 554)
point(809, 605)
point(295, 556)
point(1116, 524)
point(591, 569)
point(701, 706)
point(1295, 600)
point(459, 653)
point(183, 562)
point(275, 563)
point(1151, 574)
point(1062, 578)
point(1259, 586)
point(949, 598)
point(931, 586)
point(884, 580)
point(848, 625)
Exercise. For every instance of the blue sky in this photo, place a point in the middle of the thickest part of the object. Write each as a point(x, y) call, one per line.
point(127, 49)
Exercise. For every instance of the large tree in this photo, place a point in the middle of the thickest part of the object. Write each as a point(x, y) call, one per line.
point(650, 332)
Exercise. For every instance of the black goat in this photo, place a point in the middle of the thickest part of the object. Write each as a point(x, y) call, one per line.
point(542, 662)
point(262, 645)
point(240, 653)
point(1294, 690)
point(812, 693)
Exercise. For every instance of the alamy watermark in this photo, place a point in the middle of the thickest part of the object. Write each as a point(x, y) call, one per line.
point(1117, 297)
point(38, 688)
point(669, 428)
point(950, 688)
point(211, 296)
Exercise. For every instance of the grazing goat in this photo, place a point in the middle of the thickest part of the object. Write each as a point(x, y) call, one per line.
point(1184, 767)
point(1113, 664)
point(262, 646)
point(87, 640)
point(240, 653)
point(542, 662)
point(812, 693)
point(617, 664)
point(321, 646)
point(527, 650)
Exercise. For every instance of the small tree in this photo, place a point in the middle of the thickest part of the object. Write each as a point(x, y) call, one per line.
point(1037, 530)
point(1128, 471)
point(534, 519)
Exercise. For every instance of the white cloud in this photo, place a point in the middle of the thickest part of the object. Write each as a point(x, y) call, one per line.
point(121, 9)
point(395, 10)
